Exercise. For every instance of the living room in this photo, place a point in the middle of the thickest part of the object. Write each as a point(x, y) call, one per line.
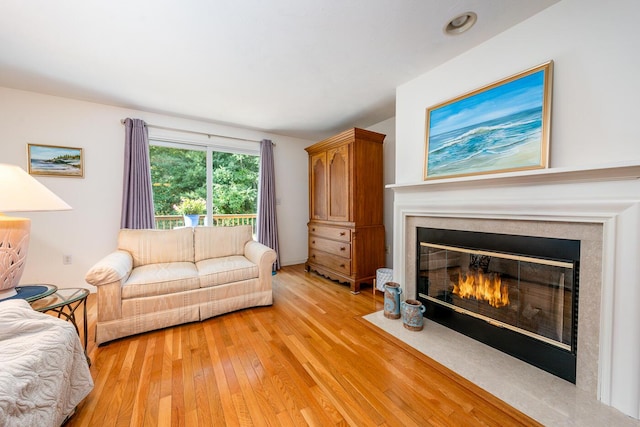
point(591, 43)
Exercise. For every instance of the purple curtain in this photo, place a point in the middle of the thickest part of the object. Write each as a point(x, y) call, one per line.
point(267, 225)
point(137, 194)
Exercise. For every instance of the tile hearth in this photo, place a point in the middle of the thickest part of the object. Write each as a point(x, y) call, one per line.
point(543, 396)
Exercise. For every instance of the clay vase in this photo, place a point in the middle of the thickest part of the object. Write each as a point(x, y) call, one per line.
point(413, 315)
point(392, 293)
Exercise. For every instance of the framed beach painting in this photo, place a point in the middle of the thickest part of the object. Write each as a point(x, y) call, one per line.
point(53, 160)
point(501, 127)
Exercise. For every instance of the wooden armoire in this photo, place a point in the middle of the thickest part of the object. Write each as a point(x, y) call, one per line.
point(346, 232)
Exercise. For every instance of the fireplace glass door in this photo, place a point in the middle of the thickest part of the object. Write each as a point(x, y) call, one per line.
point(529, 295)
point(516, 293)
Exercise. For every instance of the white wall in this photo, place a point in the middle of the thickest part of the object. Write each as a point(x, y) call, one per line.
point(89, 231)
point(594, 47)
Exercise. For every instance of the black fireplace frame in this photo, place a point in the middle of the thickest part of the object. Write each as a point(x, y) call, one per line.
point(548, 357)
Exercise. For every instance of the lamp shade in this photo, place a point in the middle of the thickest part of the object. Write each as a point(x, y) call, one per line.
point(20, 192)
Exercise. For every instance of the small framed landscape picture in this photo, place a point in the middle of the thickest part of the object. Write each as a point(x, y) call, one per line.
point(502, 127)
point(53, 160)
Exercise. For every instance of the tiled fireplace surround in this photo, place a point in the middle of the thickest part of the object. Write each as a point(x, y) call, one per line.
point(598, 206)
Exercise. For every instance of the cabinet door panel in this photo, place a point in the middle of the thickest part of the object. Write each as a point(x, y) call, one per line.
point(339, 198)
point(318, 180)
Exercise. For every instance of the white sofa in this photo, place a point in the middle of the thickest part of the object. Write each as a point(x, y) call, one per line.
point(161, 278)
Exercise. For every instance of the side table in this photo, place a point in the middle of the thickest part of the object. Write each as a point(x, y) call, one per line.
point(31, 293)
point(64, 302)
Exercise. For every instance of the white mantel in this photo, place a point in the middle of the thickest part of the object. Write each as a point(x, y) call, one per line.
point(607, 195)
point(609, 172)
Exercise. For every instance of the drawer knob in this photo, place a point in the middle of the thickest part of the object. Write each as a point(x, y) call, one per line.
point(342, 265)
point(313, 241)
point(313, 229)
point(313, 256)
point(343, 248)
point(342, 233)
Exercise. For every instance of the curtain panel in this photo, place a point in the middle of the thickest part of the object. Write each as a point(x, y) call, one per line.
point(267, 226)
point(137, 192)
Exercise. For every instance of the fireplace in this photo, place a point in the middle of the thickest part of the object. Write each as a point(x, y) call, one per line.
point(518, 294)
point(599, 207)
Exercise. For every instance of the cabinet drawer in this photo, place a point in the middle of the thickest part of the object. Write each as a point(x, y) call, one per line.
point(334, 247)
point(336, 233)
point(334, 262)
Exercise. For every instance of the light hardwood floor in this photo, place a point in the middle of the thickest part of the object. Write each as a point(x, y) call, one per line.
point(310, 359)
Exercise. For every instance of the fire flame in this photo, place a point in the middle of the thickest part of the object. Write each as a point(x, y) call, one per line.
point(483, 287)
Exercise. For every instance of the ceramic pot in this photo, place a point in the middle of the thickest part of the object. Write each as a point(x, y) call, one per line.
point(392, 293)
point(413, 315)
point(191, 220)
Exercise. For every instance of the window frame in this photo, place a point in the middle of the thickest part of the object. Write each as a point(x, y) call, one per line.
point(213, 143)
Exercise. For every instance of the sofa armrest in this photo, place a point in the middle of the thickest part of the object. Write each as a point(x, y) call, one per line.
point(261, 255)
point(113, 268)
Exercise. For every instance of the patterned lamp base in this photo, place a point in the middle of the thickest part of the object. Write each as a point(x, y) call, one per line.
point(14, 243)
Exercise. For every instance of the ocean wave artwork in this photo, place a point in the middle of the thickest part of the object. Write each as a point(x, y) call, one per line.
point(53, 160)
point(495, 130)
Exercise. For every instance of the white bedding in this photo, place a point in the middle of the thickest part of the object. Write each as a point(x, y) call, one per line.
point(43, 369)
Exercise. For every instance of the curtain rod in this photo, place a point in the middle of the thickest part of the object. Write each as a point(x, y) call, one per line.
point(208, 135)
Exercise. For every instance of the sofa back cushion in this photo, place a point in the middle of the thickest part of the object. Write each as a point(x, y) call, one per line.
point(216, 242)
point(157, 246)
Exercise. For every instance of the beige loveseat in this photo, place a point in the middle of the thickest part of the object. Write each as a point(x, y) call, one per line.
point(161, 278)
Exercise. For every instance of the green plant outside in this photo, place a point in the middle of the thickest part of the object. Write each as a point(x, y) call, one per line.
point(191, 206)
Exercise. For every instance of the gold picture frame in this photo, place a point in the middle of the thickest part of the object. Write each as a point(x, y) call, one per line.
point(501, 127)
point(55, 160)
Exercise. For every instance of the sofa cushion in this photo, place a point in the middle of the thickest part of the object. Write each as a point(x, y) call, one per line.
point(216, 242)
point(218, 271)
point(157, 246)
point(160, 279)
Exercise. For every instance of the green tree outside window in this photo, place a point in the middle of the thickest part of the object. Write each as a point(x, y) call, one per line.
point(180, 173)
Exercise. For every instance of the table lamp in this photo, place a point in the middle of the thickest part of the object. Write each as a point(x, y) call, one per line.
point(19, 192)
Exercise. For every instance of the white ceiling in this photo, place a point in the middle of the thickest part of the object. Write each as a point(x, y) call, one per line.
point(305, 68)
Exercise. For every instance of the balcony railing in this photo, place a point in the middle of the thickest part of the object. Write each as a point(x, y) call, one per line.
point(166, 222)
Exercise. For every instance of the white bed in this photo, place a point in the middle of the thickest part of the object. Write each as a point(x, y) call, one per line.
point(43, 369)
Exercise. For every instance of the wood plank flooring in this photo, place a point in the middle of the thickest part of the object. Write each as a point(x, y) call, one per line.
point(310, 359)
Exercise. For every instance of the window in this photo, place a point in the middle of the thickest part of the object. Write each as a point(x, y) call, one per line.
point(227, 180)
